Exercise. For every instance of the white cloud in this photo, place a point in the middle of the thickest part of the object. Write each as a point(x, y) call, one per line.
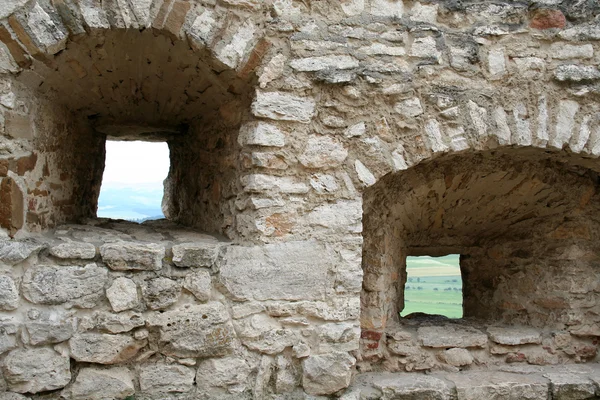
point(135, 162)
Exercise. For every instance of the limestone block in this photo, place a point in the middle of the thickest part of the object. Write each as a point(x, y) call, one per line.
point(496, 62)
point(13, 252)
point(73, 250)
point(102, 348)
point(364, 174)
point(201, 30)
point(36, 370)
point(7, 62)
point(409, 108)
point(12, 396)
point(327, 373)
point(273, 70)
point(413, 386)
point(195, 254)
point(262, 333)
point(324, 183)
point(457, 357)
point(199, 283)
point(230, 372)
point(273, 184)
point(164, 378)
point(352, 7)
point(581, 32)
point(563, 51)
point(40, 32)
point(377, 49)
point(124, 256)
point(116, 323)
point(7, 7)
point(261, 134)
point(93, 15)
point(9, 294)
point(195, 331)
point(336, 309)
point(160, 293)
point(343, 215)
point(424, 13)
point(294, 270)
point(340, 336)
point(425, 47)
point(387, 8)
point(48, 327)
point(312, 64)
point(122, 294)
point(576, 73)
point(283, 106)
point(79, 286)
point(100, 384)
point(565, 123)
point(514, 336)
point(322, 152)
point(494, 384)
point(451, 336)
point(232, 53)
point(567, 386)
point(9, 326)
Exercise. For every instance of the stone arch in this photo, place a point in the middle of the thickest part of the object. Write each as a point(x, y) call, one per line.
point(522, 220)
point(80, 72)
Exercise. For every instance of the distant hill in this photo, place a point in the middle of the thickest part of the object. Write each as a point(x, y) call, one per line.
point(135, 203)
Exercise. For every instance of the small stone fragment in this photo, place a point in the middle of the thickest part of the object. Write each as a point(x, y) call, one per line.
point(122, 294)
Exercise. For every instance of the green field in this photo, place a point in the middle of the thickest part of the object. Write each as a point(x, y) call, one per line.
point(434, 286)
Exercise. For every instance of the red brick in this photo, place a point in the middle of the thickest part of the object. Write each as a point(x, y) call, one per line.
point(547, 19)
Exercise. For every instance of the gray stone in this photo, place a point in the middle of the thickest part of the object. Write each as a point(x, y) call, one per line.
point(327, 373)
point(457, 357)
point(409, 108)
point(36, 370)
point(323, 151)
point(227, 372)
point(261, 134)
point(7, 7)
point(13, 251)
point(12, 396)
point(273, 184)
point(44, 32)
point(72, 285)
point(514, 336)
point(576, 73)
point(231, 53)
point(160, 293)
point(195, 254)
point(164, 378)
point(387, 8)
point(195, 331)
point(9, 294)
point(565, 51)
point(101, 348)
point(451, 336)
point(101, 384)
point(283, 106)
point(49, 327)
point(199, 283)
point(122, 294)
point(117, 323)
point(262, 333)
point(364, 174)
point(570, 386)
point(312, 64)
point(499, 385)
point(294, 270)
point(124, 256)
point(73, 250)
point(9, 326)
point(411, 386)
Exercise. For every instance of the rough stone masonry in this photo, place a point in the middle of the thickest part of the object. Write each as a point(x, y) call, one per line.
point(314, 145)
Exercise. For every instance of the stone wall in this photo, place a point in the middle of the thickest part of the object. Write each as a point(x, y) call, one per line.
point(320, 142)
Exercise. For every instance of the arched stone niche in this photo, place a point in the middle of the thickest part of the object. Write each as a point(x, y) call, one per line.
point(81, 81)
point(524, 222)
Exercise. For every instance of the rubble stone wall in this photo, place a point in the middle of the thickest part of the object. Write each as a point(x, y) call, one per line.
point(319, 143)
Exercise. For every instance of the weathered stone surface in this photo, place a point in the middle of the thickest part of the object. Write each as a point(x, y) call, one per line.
point(282, 106)
point(9, 294)
point(323, 151)
point(123, 256)
point(264, 334)
point(116, 323)
point(451, 336)
point(79, 286)
point(199, 283)
point(411, 386)
point(514, 336)
point(261, 134)
point(164, 378)
point(195, 331)
point(122, 294)
point(72, 250)
point(295, 270)
point(195, 254)
point(103, 348)
point(490, 385)
point(36, 370)
point(9, 327)
point(324, 62)
point(576, 73)
point(233, 52)
point(268, 183)
point(99, 384)
point(13, 251)
point(160, 293)
point(457, 357)
point(567, 386)
point(327, 373)
point(230, 373)
point(48, 327)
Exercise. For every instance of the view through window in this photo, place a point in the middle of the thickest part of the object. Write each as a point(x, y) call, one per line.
point(132, 184)
point(433, 286)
